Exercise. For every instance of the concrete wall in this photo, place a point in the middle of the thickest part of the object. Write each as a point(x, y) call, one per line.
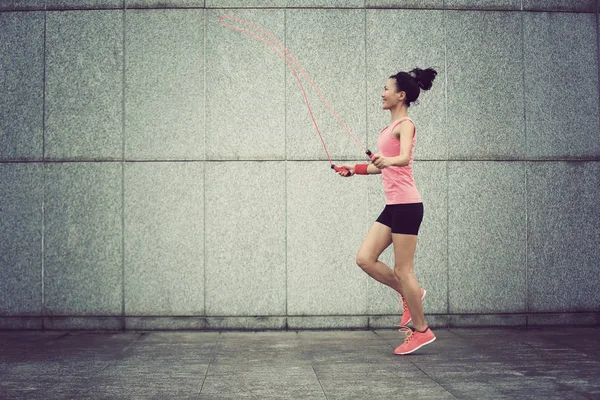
point(161, 172)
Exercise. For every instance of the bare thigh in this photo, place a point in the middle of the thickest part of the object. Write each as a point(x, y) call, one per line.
point(404, 251)
point(377, 240)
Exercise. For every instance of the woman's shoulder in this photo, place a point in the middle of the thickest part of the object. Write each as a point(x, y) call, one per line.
point(401, 125)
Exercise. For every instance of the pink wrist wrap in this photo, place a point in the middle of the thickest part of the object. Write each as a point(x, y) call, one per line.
point(361, 169)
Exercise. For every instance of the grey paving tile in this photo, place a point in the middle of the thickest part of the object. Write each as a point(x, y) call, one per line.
point(482, 381)
point(84, 85)
point(84, 323)
point(477, 320)
point(560, 5)
point(508, 363)
point(23, 5)
point(21, 217)
point(375, 385)
point(292, 382)
point(240, 198)
point(486, 200)
point(245, 3)
point(563, 236)
point(377, 380)
point(326, 3)
point(168, 338)
point(83, 4)
point(165, 323)
point(164, 96)
point(328, 322)
point(558, 101)
point(553, 319)
point(165, 3)
point(83, 242)
point(483, 4)
point(22, 60)
point(439, 4)
point(164, 238)
point(481, 124)
point(345, 347)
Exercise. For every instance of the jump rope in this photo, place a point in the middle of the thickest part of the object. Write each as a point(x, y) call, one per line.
point(280, 49)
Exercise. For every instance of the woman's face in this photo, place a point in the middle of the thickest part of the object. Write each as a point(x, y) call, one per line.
point(390, 96)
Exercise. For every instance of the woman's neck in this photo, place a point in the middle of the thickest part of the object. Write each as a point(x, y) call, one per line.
point(398, 112)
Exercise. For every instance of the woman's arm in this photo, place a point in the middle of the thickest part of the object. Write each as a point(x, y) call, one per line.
point(405, 132)
point(371, 169)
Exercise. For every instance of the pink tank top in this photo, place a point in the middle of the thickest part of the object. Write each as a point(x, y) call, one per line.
point(398, 182)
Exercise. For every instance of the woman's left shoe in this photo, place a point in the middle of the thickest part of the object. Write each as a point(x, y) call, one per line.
point(414, 340)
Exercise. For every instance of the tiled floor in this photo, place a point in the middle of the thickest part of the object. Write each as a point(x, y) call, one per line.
point(519, 363)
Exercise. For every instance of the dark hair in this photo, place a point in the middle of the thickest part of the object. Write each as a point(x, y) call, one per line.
point(412, 82)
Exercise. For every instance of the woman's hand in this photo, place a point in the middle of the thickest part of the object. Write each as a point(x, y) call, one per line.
point(380, 161)
point(350, 172)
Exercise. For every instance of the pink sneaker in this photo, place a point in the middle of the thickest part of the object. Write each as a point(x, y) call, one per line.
point(406, 317)
point(414, 340)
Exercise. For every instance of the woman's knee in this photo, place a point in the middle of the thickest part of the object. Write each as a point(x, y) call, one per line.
point(403, 271)
point(364, 261)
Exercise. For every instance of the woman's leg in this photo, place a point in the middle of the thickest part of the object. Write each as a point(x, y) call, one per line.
point(404, 253)
point(376, 241)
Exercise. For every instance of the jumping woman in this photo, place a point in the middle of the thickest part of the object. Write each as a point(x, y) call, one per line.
point(401, 218)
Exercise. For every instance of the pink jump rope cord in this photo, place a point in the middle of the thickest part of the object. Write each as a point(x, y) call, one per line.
point(293, 60)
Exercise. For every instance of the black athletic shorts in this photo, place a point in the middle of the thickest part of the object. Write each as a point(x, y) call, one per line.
point(402, 218)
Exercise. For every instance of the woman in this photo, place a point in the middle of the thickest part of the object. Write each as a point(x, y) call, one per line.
point(401, 218)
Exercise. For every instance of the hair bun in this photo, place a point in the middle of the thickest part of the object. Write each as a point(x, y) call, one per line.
point(424, 78)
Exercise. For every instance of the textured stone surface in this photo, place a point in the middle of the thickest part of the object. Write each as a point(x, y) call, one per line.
point(329, 322)
point(563, 236)
point(431, 257)
point(483, 5)
point(560, 5)
point(21, 225)
point(326, 3)
point(400, 40)
point(461, 363)
point(439, 4)
point(592, 319)
point(323, 41)
point(20, 323)
point(164, 239)
point(83, 4)
point(246, 323)
point(245, 3)
point(164, 3)
point(83, 254)
point(165, 323)
point(164, 98)
point(561, 85)
point(84, 85)
point(326, 217)
point(483, 70)
point(84, 323)
point(245, 89)
point(28, 5)
point(486, 237)
point(486, 320)
point(245, 238)
point(21, 80)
